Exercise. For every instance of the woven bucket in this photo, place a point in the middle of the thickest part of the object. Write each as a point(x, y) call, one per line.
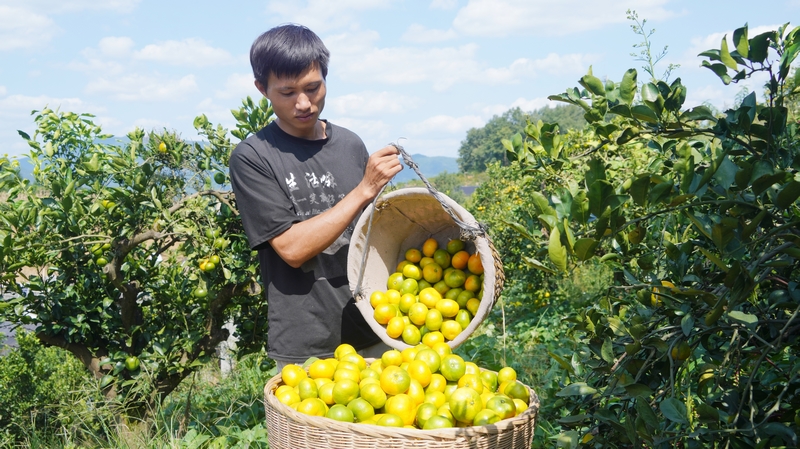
point(404, 219)
point(289, 429)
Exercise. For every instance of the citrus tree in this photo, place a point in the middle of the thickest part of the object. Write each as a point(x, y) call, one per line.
point(694, 341)
point(129, 253)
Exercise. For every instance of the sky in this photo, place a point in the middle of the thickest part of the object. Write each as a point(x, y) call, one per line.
point(425, 71)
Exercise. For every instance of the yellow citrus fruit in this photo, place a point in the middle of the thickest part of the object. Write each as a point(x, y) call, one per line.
point(434, 319)
point(463, 318)
point(472, 368)
point(431, 338)
point(489, 379)
point(411, 334)
point(288, 397)
point(425, 261)
point(354, 358)
point(413, 255)
point(341, 413)
point(395, 326)
point(452, 367)
point(409, 286)
point(416, 392)
point(441, 287)
point(429, 357)
point(377, 297)
point(437, 422)
point(403, 406)
point(393, 296)
point(417, 313)
point(516, 390)
point(432, 273)
point(362, 409)
point(474, 265)
point(395, 380)
point(394, 281)
point(401, 265)
point(345, 390)
point(435, 397)
point(293, 374)
point(451, 329)
point(392, 357)
point(322, 381)
point(429, 296)
point(459, 260)
point(390, 420)
point(444, 411)
point(307, 388)
point(473, 305)
point(447, 307)
point(438, 383)
point(369, 373)
point(409, 354)
point(374, 394)
point(406, 301)
point(506, 374)
point(429, 247)
point(463, 297)
point(322, 368)
point(312, 406)
point(442, 349)
point(520, 405)
point(465, 403)
point(411, 271)
point(424, 411)
point(385, 312)
point(681, 351)
point(503, 405)
point(420, 371)
point(325, 393)
point(344, 348)
point(346, 373)
point(471, 380)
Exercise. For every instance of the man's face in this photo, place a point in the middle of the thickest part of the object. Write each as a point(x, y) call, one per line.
point(297, 101)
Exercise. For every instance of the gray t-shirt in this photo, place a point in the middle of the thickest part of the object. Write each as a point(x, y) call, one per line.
point(280, 180)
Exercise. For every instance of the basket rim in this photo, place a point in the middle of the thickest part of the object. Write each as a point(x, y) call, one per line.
point(371, 430)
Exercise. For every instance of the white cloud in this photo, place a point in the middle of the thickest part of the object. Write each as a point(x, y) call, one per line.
point(371, 103)
point(713, 41)
point(375, 133)
point(61, 6)
point(419, 34)
point(323, 15)
point(22, 28)
point(238, 85)
point(115, 47)
point(16, 105)
point(443, 4)
point(2, 90)
point(143, 88)
point(553, 64)
point(445, 124)
point(191, 52)
point(497, 18)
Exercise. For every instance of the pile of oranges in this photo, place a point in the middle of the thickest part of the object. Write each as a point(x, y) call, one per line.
point(420, 387)
point(433, 294)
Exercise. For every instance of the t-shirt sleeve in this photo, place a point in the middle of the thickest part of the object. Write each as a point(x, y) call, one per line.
point(264, 206)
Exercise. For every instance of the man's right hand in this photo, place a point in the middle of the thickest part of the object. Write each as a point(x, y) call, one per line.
point(381, 168)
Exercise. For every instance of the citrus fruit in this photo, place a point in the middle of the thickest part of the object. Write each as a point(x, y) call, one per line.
point(411, 271)
point(344, 391)
point(463, 318)
point(413, 255)
point(394, 281)
point(438, 383)
point(322, 368)
point(417, 313)
point(341, 413)
point(432, 272)
point(405, 303)
point(516, 390)
point(424, 411)
point(325, 392)
point(307, 388)
point(374, 394)
point(346, 348)
point(430, 358)
point(472, 283)
point(429, 296)
point(356, 359)
point(409, 285)
point(451, 329)
point(472, 368)
point(485, 417)
point(361, 408)
point(293, 374)
point(419, 371)
point(506, 374)
point(395, 380)
point(455, 278)
point(425, 261)
point(411, 335)
point(416, 392)
point(471, 380)
point(403, 406)
point(454, 246)
point(465, 403)
point(288, 397)
point(474, 265)
point(460, 260)
point(447, 307)
point(441, 287)
point(473, 305)
point(437, 422)
point(503, 405)
point(434, 319)
point(312, 406)
point(347, 373)
point(520, 405)
point(390, 420)
point(409, 353)
point(442, 349)
point(393, 296)
point(395, 326)
point(385, 312)
point(391, 357)
point(431, 338)
point(489, 379)
point(442, 257)
point(429, 247)
point(452, 367)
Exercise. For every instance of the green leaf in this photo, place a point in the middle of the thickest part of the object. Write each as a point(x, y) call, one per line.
point(740, 41)
point(706, 413)
point(647, 414)
point(639, 390)
point(593, 85)
point(720, 69)
point(556, 251)
point(571, 420)
point(674, 410)
point(576, 389)
point(788, 195)
point(725, 55)
point(607, 350)
point(745, 318)
point(687, 324)
point(584, 248)
point(651, 96)
point(563, 363)
point(759, 47)
point(699, 113)
point(617, 327)
point(627, 88)
point(642, 112)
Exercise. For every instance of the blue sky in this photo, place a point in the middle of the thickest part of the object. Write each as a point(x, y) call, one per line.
point(424, 70)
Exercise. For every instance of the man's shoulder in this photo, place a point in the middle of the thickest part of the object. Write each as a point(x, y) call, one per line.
point(343, 133)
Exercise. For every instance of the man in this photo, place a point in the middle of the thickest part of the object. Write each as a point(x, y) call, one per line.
point(300, 184)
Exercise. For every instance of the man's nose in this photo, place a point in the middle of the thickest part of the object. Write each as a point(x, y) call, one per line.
point(303, 102)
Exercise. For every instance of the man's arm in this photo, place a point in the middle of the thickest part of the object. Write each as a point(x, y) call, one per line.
point(308, 238)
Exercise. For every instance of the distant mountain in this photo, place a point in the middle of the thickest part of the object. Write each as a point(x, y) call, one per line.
point(430, 166)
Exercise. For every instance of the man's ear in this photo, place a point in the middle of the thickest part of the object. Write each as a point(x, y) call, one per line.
point(261, 88)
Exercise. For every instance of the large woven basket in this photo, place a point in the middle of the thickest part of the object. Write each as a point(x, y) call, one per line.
point(404, 219)
point(289, 429)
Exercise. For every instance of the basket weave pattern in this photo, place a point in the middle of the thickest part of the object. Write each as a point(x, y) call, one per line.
point(289, 429)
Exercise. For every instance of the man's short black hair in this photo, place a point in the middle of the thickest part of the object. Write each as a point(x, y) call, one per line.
point(287, 50)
